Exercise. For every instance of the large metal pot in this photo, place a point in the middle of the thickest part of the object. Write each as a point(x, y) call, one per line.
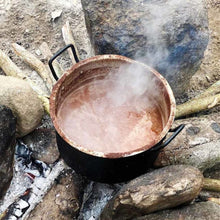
point(114, 167)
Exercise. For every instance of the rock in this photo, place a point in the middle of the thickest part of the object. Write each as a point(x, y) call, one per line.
point(63, 201)
point(197, 145)
point(43, 144)
point(170, 35)
point(163, 188)
point(24, 103)
point(197, 211)
point(7, 147)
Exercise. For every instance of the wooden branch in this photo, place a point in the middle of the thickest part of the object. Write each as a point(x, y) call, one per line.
point(68, 39)
point(212, 90)
point(45, 50)
point(206, 100)
point(11, 69)
point(34, 63)
point(215, 200)
point(197, 105)
point(211, 184)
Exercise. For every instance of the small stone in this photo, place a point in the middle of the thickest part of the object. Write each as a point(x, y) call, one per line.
point(64, 207)
point(43, 144)
point(197, 211)
point(24, 103)
point(193, 130)
point(161, 189)
point(56, 14)
point(216, 127)
point(38, 52)
point(7, 147)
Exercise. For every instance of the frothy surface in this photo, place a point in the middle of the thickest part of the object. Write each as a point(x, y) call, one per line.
point(90, 118)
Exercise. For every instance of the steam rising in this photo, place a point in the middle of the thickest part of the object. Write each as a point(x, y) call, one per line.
point(125, 112)
point(116, 114)
point(131, 83)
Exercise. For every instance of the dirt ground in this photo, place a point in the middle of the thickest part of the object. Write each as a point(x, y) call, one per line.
point(30, 23)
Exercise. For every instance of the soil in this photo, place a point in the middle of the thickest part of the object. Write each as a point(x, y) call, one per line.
point(30, 23)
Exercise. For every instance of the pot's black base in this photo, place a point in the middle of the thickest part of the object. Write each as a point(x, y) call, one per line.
point(104, 169)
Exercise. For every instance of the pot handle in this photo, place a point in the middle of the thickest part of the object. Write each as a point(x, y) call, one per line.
point(176, 131)
point(58, 54)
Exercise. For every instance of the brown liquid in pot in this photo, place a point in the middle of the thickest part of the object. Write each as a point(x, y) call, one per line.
point(92, 120)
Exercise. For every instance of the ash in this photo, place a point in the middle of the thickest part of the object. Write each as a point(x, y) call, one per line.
point(31, 181)
point(96, 196)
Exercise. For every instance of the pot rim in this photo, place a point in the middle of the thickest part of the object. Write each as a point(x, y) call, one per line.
point(111, 155)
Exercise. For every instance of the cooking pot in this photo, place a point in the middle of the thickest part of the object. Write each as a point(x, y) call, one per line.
point(116, 166)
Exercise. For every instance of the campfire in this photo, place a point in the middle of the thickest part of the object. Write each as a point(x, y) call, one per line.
point(134, 154)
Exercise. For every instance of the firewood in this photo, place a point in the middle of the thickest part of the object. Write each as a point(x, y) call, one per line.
point(11, 69)
point(45, 50)
point(34, 63)
point(212, 90)
point(68, 39)
point(211, 184)
point(204, 101)
point(197, 105)
point(215, 200)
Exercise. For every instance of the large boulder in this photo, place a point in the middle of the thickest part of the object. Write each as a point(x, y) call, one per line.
point(163, 188)
point(197, 211)
point(7, 147)
point(23, 101)
point(168, 35)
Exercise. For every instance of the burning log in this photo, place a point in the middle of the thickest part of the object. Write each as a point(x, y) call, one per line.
point(45, 50)
point(68, 39)
point(34, 63)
